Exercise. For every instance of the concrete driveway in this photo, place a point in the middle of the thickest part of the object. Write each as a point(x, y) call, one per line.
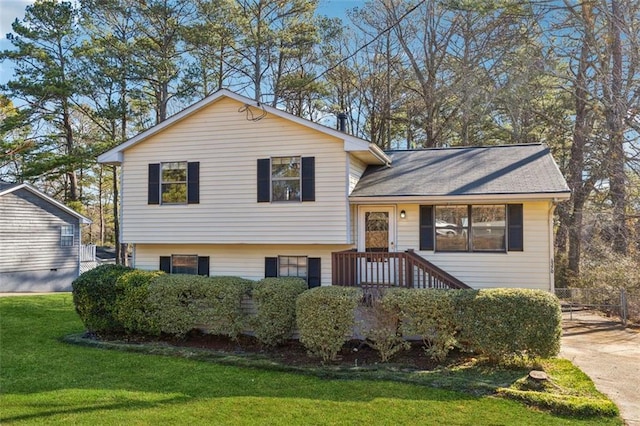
point(609, 354)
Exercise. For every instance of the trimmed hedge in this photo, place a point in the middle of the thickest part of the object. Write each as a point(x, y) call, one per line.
point(325, 317)
point(180, 303)
point(507, 323)
point(131, 307)
point(94, 296)
point(275, 302)
point(427, 313)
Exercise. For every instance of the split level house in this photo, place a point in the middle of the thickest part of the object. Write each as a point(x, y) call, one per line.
point(229, 186)
point(40, 241)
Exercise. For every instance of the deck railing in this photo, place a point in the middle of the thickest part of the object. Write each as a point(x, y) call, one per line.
point(385, 269)
point(87, 253)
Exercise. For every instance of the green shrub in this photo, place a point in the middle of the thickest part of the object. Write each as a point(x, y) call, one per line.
point(132, 308)
point(325, 317)
point(506, 323)
point(427, 313)
point(179, 303)
point(380, 326)
point(275, 301)
point(94, 297)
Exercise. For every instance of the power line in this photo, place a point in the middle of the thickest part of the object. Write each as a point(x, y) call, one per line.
point(370, 42)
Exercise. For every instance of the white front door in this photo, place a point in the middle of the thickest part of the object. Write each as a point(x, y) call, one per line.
point(377, 234)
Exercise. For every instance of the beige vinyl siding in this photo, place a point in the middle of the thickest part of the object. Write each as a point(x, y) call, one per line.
point(242, 260)
point(356, 169)
point(228, 145)
point(530, 268)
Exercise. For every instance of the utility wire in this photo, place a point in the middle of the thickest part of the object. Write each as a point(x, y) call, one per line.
point(370, 42)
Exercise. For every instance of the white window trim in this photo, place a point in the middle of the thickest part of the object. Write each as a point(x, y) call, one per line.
point(186, 182)
point(280, 179)
point(64, 235)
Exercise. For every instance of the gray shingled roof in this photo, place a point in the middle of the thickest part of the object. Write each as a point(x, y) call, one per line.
point(498, 170)
point(5, 185)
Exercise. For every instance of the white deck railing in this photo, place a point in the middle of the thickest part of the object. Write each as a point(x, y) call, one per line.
point(88, 253)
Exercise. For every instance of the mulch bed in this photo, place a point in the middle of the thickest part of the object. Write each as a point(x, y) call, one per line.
point(354, 353)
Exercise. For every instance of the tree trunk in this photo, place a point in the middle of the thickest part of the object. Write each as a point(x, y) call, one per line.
point(582, 128)
point(615, 121)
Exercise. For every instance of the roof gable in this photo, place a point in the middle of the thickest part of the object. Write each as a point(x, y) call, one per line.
point(506, 170)
point(10, 188)
point(351, 144)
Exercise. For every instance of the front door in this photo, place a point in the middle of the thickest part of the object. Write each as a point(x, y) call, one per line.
point(376, 234)
point(376, 229)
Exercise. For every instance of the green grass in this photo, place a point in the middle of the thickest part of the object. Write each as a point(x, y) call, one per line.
point(44, 380)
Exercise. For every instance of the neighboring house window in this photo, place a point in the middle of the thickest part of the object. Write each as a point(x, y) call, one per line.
point(475, 228)
point(176, 182)
point(307, 268)
point(286, 179)
point(185, 264)
point(66, 235)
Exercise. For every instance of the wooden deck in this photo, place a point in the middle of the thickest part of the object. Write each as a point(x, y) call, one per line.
point(385, 269)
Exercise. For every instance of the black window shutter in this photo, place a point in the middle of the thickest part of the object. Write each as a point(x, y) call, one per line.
point(270, 267)
point(313, 265)
point(515, 219)
point(264, 180)
point(203, 265)
point(426, 228)
point(308, 178)
point(165, 264)
point(154, 184)
point(193, 182)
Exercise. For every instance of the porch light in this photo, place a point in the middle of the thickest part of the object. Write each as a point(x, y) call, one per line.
point(403, 214)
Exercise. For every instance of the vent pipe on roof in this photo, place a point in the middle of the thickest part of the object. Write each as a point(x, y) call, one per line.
point(342, 122)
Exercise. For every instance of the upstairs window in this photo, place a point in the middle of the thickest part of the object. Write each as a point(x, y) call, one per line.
point(175, 182)
point(284, 179)
point(66, 235)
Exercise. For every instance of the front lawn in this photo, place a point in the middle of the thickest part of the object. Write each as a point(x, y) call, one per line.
point(43, 380)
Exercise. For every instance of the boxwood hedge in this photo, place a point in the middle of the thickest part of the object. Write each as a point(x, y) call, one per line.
point(131, 307)
point(325, 317)
point(505, 323)
point(275, 302)
point(94, 297)
point(180, 303)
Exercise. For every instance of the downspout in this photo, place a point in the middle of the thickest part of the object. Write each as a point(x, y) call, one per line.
point(79, 247)
point(346, 191)
point(552, 268)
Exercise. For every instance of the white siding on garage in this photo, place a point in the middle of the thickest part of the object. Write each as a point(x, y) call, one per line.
point(227, 144)
point(245, 261)
point(530, 268)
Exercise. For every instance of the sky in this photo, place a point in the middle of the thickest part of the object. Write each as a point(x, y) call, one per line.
point(12, 9)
